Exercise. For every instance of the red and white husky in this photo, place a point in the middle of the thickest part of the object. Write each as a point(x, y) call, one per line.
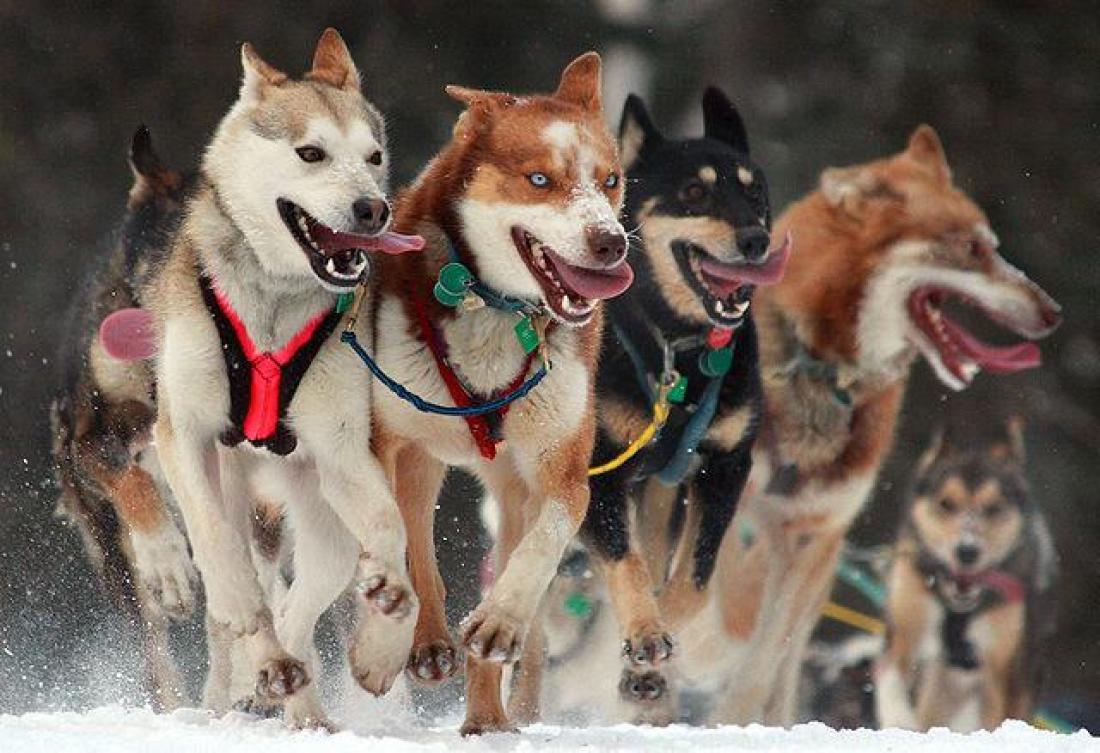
point(527, 196)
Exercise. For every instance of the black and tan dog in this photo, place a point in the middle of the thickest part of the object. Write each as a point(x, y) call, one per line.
point(682, 340)
point(102, 417)
point(970, 592)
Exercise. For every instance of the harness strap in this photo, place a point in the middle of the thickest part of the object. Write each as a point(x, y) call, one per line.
point(679, 466)
point(263, 383)
point(479, 424)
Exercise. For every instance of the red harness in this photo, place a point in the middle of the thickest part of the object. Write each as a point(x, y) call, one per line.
point(480, 428)
point(263, 383)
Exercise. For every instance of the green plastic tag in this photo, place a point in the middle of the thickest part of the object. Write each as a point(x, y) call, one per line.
point(527, 335)
point(446, 297)
point(679, 390)
point(343, 302)
point(715, 363)
point(454, 278)
point(578, 605)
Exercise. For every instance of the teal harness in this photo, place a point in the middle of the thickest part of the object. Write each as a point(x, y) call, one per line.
point(679, 465)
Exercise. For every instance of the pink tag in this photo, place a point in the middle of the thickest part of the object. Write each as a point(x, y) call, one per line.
point(129, 335)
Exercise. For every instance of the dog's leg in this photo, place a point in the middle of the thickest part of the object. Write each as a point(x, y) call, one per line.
point(418, 479)
point(999, 633)
point(484, 707)
point(217, 524)
point(556, 469)
point(801, 567)
point(325, 557)
point(113, 457)
point(646, 642)
point(523, 701)
point(909, 612)
point(163, 682)
point(716, 491)
point(354, 485)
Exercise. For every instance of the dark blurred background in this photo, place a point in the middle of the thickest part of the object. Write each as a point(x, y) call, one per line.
point(1011, 87)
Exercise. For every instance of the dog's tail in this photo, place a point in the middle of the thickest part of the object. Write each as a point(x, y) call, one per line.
point(83, 503)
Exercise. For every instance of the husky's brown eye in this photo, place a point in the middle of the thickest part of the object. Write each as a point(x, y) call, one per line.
point(993, 511)
point(310, 153)
point(376, 158)
point(948, 507)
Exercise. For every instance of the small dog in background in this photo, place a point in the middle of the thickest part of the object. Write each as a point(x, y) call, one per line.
point(969, 591)
point(102, 419)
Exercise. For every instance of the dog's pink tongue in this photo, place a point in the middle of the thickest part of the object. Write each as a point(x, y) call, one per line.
point(129, 335)
point(595, 284)
point(994, 359)
point(334, 241)
point(768, 273)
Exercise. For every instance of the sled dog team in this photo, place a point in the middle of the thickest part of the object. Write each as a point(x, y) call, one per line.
point(612, 335)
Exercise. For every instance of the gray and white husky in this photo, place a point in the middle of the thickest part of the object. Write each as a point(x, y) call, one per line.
point(258, 399)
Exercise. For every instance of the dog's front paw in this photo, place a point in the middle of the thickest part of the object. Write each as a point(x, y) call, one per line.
point(642, 687)
point(280, 678)
point(375, 671)
point(491, 633)
point(389, 593)
point(432, 663)
point(165, 569)
point(648, 649)
point(379, 649)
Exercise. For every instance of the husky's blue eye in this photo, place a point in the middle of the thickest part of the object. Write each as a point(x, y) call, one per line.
point(611, 181)
point(310, 153)
point(538, 180)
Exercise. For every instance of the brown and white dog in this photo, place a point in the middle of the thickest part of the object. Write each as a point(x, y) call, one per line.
point(970, 591)
point(882, 246)
point(102, 419)
point(527, 195)
point(257, 397)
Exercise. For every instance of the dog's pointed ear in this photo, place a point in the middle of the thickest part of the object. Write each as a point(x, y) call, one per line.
point(939, 447)
point(258, 74)
point(581, 82)
point(1012, 446)
point(151, 177)
point(479, 98)
point(722, 122)
point(332, 63)
point(843, 186)
point(479, 104)
point(926, 149)
point(637, 133)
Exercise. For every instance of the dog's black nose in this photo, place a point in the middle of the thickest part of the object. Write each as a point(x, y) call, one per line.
point(753, 243)
point(371, 213)
point(608, 246)
point(967, 554)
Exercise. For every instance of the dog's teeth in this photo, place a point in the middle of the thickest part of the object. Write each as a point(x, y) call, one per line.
point(330, 266)
point(970, 370)
point(742, 307)
point(719, 306)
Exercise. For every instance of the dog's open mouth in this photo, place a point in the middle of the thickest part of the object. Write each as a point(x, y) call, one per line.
point(960, 352)
point(339, 259)
point(571, 291)
point(724, 288)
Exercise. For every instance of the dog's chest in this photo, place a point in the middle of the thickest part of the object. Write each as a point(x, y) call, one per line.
point(482, 349)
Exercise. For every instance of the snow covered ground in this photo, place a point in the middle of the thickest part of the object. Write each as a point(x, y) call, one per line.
point(121, 730)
